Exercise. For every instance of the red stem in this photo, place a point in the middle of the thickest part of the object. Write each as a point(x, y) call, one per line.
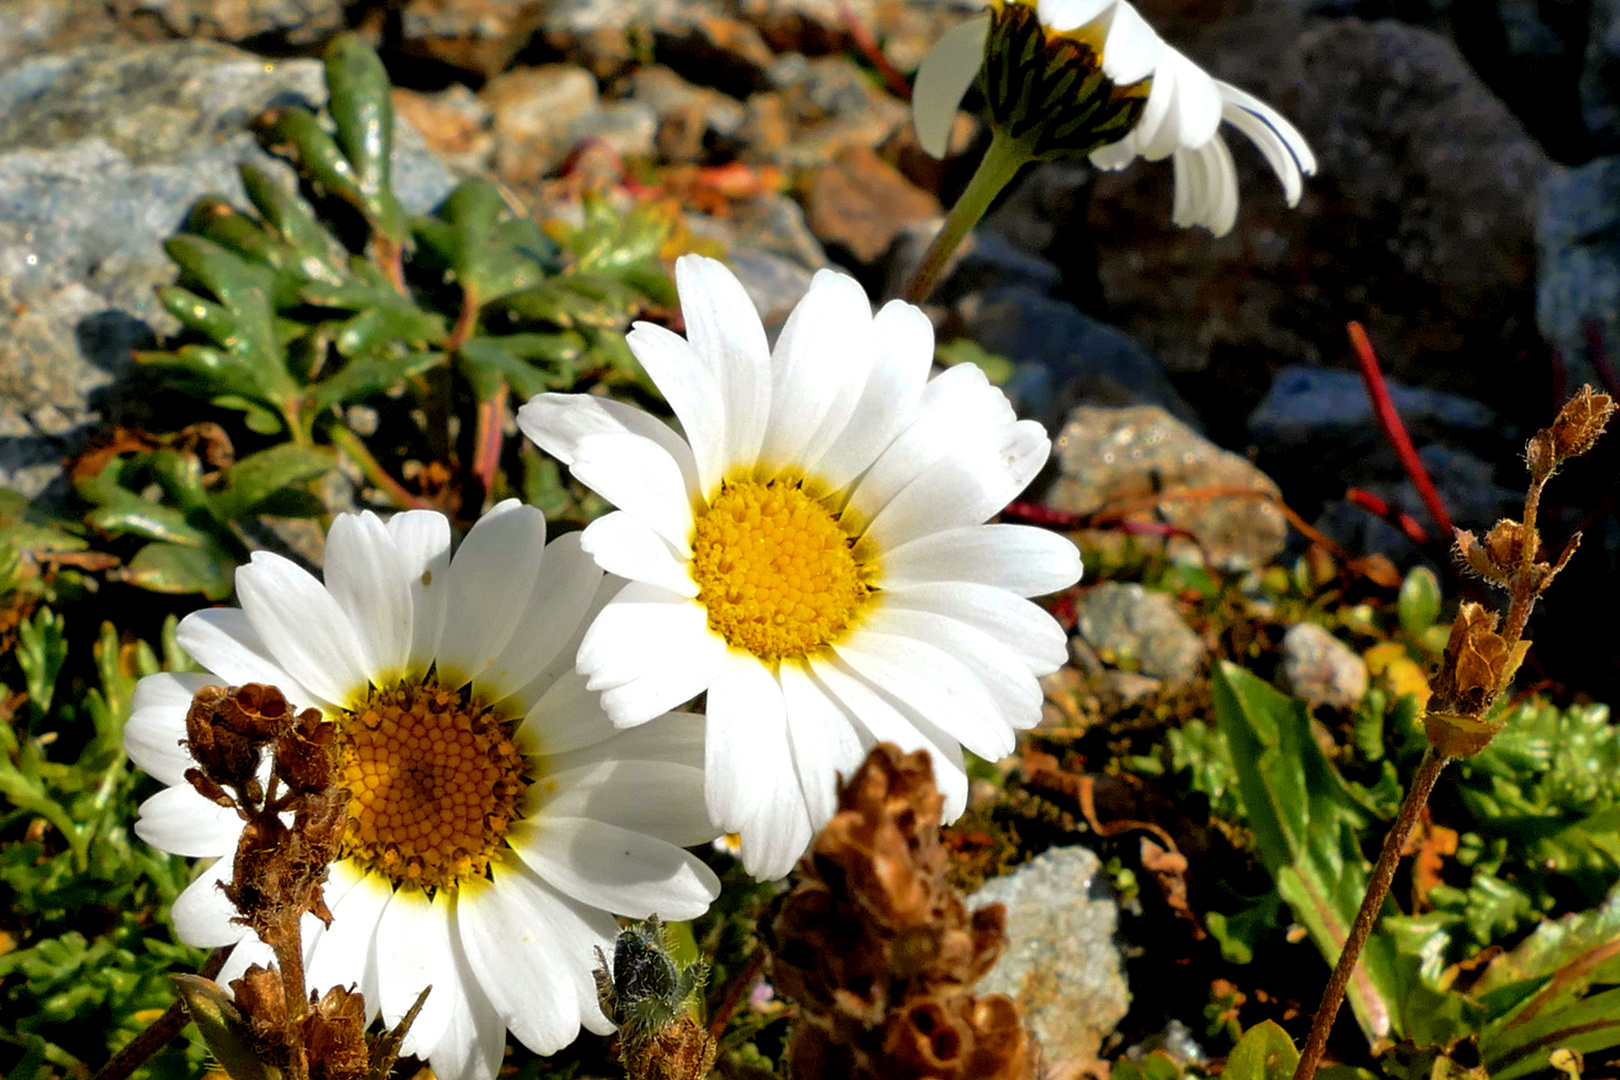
point(868, 47)
point(1398, 518)
point(1394, 430)
point(487, 444)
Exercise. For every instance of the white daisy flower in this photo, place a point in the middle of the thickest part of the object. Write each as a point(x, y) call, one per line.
point(1068, 77)
point(813, 553)
point(497, 817)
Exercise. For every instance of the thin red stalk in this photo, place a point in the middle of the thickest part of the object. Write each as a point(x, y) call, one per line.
point(734, 994)
point(487, 444)
point(1394, 430)
point(863, 40)
point(1398, 518)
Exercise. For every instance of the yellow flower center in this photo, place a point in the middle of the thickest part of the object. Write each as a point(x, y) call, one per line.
point(774, 569)
point(434, 782)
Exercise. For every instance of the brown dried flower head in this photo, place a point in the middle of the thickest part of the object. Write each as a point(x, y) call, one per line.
point(881, 954)
point(335, 1035)
point(1580, 422)
point(1478, 664)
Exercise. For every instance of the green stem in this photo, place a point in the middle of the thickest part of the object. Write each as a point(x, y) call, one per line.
point(351, 444)
point(1372, 905)
point(1000, 164)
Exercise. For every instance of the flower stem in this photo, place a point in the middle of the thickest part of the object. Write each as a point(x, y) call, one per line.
point(1000, 164)
point(1372, 904)
point(351, 444)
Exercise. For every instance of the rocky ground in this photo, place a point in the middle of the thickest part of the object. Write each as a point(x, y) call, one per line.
point(1467, 211)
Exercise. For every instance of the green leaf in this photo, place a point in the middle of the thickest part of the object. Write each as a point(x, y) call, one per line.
point(998, 369)
point(360, 379)
point(317, 253)
point(484, 245)
point(223, 1028)
point(363, 113)
point(41, 652)
point(1307, 823)
point(486, 365)
point(1418, 604)
point(176, 568)
point(256, 478)
point(1264, 1053)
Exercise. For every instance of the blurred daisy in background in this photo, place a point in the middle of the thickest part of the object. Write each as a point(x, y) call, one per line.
point(1090, 78)
point(497, 818)
point(813, 553)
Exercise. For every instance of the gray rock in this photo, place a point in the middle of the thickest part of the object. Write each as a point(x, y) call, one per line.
point(1075, 360)
point(1061, 966)
point(31, 27)
point(776, 224)
point(535, 110)
point(1328, 411)
point(1600, 77)
point(774, 283)
point(1578, 296)
point(628, 127)
point(295, 23)
point(476, 35)
point(105, 152)
point(1320, 668)
point(1130, 626)
point(1138, 459)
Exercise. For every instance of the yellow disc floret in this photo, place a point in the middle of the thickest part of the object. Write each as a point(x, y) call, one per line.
point(434, 781)
point(775, 569)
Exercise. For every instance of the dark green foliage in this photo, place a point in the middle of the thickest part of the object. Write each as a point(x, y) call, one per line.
point(84, 901)
point(292, 316)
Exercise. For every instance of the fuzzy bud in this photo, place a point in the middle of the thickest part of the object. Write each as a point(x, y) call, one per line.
point(1580, 422)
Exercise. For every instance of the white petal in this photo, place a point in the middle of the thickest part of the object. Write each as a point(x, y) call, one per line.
point(1206, 187)
point(821, 361)
point(645, 630)
point(567, 716)
point(491, 578)
point(998, 669)
point(1132, 49)
point(1193, 111)
point(826, 747)
point(413, 951)
point(1063, 15)
point(724, 328)
point(903, 354)
point(341, 876)
point(638, 477)
point(624, 545)
point(963, 489)
point(693, 392)
point(1285, 149)
point(958, 405)
point(157, 723)
point(554, 616)
point(182, 822)
point(370, 580)
point(557, 422)
point(1019, 558)
point(686, 669)
point(882, 720)
point(202, 915)
point(935, 683)
point(346, 954)
point(614, 869)
point(474, 1042)
point(223, 641)
point(676, 738)
point(509, 926)
point(423, 540)
point(1116, 155)
point(943, 79)
point(752, 787)
point(302, 627)
point(656, 798)
point(1018, 624)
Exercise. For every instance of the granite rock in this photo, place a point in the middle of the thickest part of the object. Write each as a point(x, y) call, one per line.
point(1578, 296)
point(535, 109)
point(1061, 966)
point(1133, 627)
point(1320, 668)
point(298, 24)
point(1136, 460)
point(859, 203)
point(480, 36)
point(103, 152)
point(1327, 411)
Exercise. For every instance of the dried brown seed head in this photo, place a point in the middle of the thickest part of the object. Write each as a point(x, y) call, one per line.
point(260, 996)
point(1580, 422)
point(1506, 543)
point(334, 1033)
point(306, 754)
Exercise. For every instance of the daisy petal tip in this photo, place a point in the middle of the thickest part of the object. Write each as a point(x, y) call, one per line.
point(942, 81)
